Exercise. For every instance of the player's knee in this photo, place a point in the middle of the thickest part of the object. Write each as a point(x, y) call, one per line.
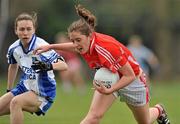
point(95, 116)
point(15, 103)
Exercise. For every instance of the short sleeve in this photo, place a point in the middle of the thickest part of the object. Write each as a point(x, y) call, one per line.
point(111, 56)
point(10, 56)
point(51, 56)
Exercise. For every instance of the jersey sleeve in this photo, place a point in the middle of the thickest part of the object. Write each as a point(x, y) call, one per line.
point(10, 56)
point(51, 56)
point(111, 56)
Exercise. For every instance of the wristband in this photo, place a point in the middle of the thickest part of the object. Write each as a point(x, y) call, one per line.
point(8, 90)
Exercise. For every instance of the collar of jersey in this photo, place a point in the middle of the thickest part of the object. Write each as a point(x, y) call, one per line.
point(30, 46)
point(92, 44)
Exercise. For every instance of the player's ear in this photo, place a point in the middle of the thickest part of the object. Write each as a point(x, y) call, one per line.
point(90, 35)
point(15, 31)
point(34, 30)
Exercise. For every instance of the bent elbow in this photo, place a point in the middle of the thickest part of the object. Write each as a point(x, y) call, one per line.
point(63, 66)
point(133, 77)
point(66, 67)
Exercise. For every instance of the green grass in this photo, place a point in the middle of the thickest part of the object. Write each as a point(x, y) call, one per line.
point(71, 108)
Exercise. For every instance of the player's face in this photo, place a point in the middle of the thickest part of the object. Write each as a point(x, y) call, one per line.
point(25, 31)
point(81, 42)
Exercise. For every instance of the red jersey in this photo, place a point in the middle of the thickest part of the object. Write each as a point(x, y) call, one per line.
point(105, 51)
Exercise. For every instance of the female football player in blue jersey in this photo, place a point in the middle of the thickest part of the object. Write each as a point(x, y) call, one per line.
point(36, 89)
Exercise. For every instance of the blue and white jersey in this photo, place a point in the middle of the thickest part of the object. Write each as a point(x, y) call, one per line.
point(142, 55)
point(42, 83)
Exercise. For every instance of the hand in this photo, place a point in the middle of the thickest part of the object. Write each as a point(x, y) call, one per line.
point(41, 49)
point(39, 66)
point(100, 87)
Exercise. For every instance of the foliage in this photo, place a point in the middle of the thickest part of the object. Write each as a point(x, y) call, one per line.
point(55, 18)
point(156, 21)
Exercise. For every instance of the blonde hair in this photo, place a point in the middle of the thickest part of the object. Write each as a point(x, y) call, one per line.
point(86, 24)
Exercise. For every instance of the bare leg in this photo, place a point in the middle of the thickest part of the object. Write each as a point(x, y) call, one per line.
point(27, 101)
point(5, 102)
point(100, 104)
point(144, 114)
point(154, 114)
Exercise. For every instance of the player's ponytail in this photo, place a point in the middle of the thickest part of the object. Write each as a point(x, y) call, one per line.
point(86, 24)
point(86, 15)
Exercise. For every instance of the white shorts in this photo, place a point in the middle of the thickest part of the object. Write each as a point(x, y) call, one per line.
point(136, 93)
point(45, 102)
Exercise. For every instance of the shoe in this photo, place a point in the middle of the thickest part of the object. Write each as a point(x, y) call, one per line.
point(163, 118)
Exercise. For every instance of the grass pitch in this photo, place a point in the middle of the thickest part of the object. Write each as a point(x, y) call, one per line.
point(71, 108)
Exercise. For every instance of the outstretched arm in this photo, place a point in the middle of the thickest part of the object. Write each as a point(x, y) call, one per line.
point(62, 46)
point(40, 66)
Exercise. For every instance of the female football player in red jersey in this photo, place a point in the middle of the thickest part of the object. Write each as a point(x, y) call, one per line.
point(100, 50)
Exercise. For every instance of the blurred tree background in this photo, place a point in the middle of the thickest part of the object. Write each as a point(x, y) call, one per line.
point(157, 21)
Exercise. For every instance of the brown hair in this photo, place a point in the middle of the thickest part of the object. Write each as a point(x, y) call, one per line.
point(26, 16)
point(86, 24)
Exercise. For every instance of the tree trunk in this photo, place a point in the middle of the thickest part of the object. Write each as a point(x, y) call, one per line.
point(163, 38)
